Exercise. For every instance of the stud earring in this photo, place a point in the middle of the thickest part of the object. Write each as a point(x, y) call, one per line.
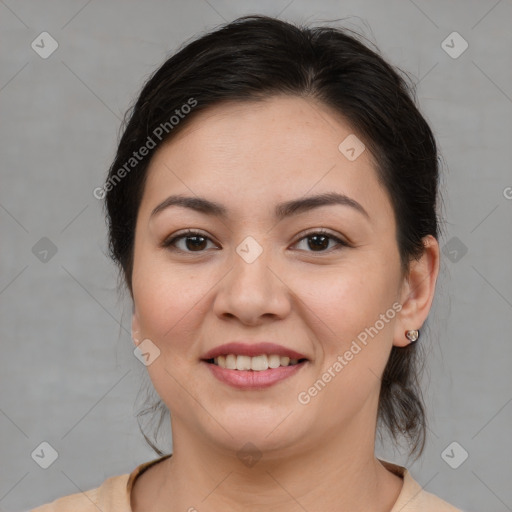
point(412, 335)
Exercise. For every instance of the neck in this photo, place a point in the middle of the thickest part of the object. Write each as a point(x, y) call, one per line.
point(338, 473)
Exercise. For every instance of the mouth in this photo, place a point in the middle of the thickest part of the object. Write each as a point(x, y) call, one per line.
point(253, 365)
point(257, 371)
point(257, 363)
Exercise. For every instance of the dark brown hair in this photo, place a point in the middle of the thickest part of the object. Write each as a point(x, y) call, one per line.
point(256, 57)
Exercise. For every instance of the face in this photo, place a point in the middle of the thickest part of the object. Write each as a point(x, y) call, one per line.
point(321, 281)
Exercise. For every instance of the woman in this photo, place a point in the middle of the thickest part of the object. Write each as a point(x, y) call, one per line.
point(272, 209)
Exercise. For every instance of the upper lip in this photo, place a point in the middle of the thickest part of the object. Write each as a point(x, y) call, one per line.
point(252, 349)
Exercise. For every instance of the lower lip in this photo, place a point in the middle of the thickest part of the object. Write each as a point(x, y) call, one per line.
point(249, 379)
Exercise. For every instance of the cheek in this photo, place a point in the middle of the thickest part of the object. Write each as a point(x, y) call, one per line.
point(355, 305)
point(166, 296)
point(348, 300)
point(170, 310)
point(169, 303)
point(355, 335)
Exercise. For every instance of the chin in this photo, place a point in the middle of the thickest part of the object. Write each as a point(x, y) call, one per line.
point(262, 428)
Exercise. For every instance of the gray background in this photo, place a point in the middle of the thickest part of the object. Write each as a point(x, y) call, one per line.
point(68, 374)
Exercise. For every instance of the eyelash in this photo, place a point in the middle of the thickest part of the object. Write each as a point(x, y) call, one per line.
point(169, 243)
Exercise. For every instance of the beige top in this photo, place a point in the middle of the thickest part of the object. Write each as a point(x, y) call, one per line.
point(113, 495)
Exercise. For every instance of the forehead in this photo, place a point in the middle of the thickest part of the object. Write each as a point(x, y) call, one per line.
point(271, 150)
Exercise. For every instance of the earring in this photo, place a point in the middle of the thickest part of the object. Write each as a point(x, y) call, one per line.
point(412, 335)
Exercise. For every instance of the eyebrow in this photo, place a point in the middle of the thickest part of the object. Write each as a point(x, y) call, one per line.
point(282, 210)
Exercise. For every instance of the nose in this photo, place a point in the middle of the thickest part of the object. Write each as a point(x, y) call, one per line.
point(253, 291)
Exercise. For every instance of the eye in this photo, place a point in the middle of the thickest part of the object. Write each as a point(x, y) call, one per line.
point(194, 241)
point(319, 241)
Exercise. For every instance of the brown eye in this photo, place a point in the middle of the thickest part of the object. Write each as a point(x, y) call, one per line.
point(191, 241)
point(319, 241)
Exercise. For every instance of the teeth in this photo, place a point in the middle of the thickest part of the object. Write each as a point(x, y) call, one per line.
point(230, 362)
point(243, 363)
point(274, 361)
point(257, 363)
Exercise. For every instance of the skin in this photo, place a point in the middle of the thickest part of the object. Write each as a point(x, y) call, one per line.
point(320, 456)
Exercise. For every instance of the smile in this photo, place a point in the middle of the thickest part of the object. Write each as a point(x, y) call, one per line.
point(257, 363)
point(244, 378)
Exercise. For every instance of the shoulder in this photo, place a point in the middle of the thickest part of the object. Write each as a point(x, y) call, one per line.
point(427, 502)
point(113, 495)
point(413, 497)
point(110, 496)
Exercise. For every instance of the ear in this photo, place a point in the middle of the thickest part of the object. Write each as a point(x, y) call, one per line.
point(135, 327)
point(417, 291)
